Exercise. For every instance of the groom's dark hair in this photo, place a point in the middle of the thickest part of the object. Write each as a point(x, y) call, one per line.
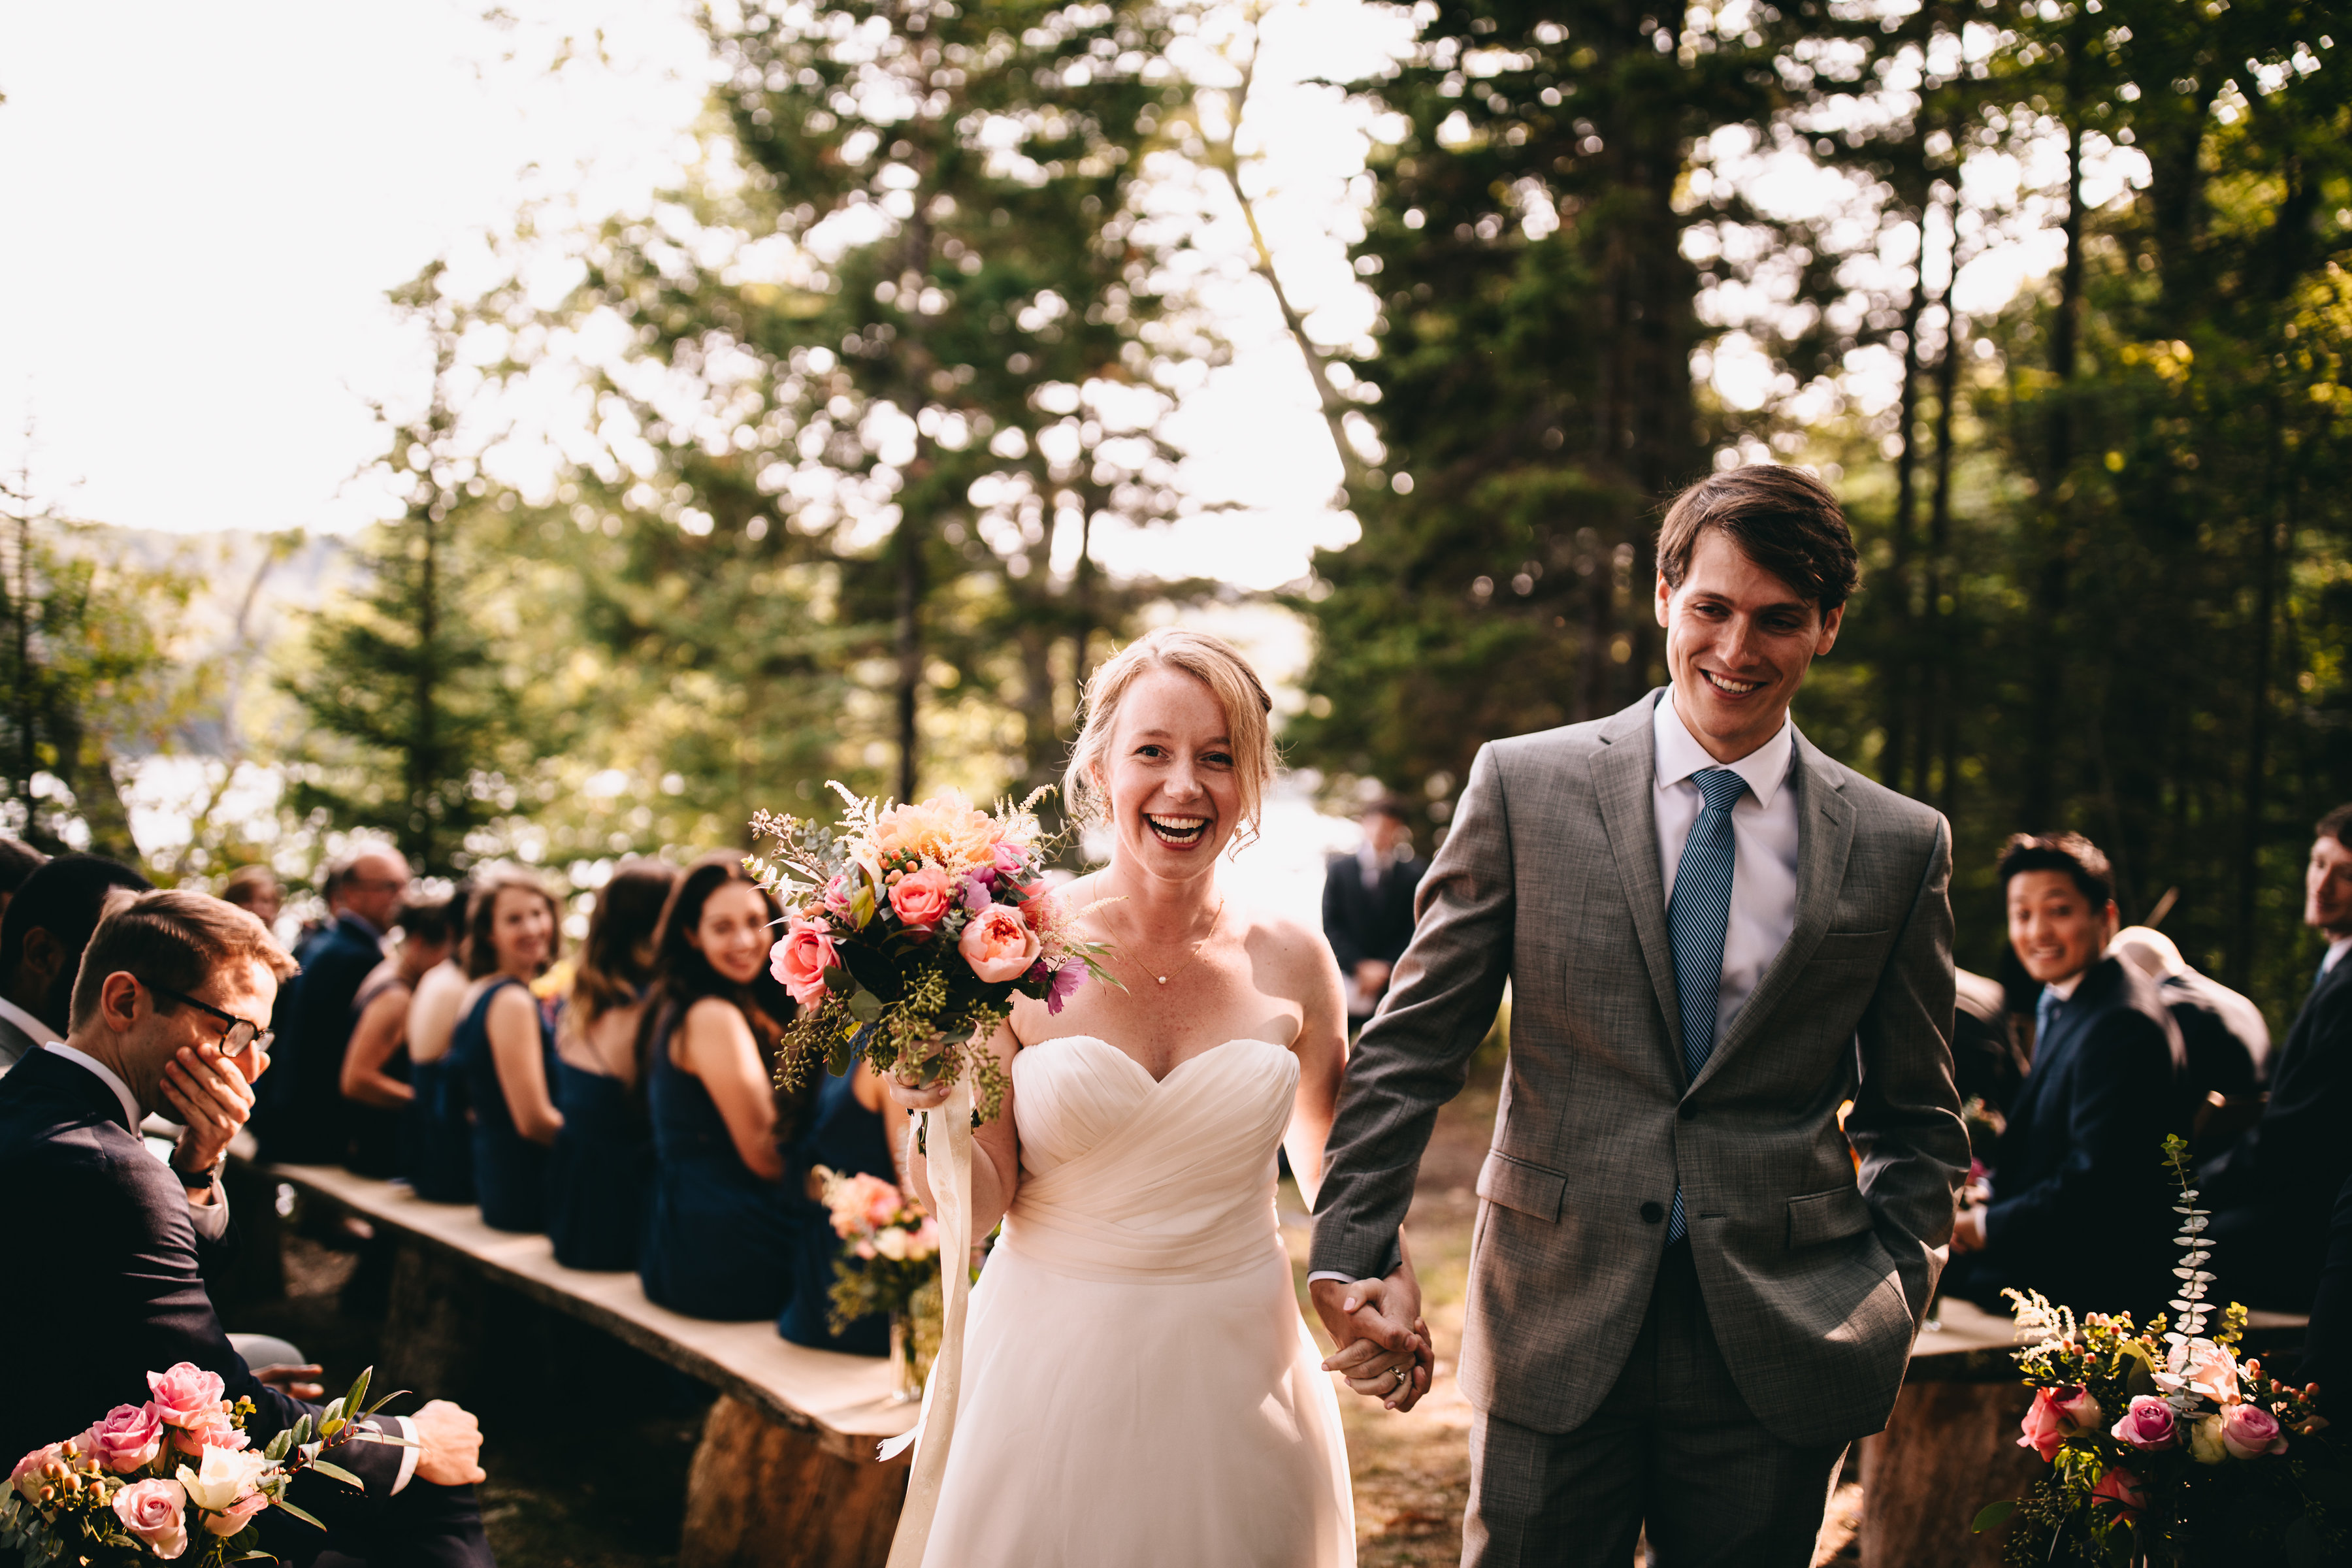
point(1781, 518)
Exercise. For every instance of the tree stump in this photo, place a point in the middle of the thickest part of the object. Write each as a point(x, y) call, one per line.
point(764, 1495)
point(1948, 1449)
point(433, 1340)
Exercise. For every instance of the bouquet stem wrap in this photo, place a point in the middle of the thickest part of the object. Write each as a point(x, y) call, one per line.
point(948, 1135)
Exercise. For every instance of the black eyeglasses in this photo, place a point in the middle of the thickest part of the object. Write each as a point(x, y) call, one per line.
point(238, 1035)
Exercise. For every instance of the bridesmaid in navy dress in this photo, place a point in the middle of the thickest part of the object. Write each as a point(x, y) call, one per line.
point(720, 1238)
point(851, 1131)
point(602, 1167)
point(504, 1049)
point(436, 1140)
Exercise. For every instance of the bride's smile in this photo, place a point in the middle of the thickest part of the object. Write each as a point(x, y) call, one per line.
point(1173, 789)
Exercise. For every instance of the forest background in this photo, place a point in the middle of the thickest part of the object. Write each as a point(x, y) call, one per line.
point(848, 453)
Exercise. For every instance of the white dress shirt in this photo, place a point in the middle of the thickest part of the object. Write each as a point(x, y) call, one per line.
point(2335, 951)
point(1764, 852)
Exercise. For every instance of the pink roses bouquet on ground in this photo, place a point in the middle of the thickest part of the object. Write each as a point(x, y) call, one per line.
point(173, 1480)
point(2163, 1445)
point(909, 931)
point(887, 1247)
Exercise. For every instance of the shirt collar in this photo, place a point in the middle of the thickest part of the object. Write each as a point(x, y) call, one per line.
point(2335, 951)
point(2065, 989)
point(1763, 770)
point(106, 1074)
point(35, 1030)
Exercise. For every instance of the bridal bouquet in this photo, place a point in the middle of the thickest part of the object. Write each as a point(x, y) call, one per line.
point(2163, 1445)
point(909, 929)
point(173, 1480)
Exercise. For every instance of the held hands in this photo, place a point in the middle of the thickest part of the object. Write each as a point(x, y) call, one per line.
point(449, 1446)
point(212, 1099)
point(1384, 1346)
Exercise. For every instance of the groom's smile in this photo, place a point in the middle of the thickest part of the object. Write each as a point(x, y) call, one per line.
point(1738, 642)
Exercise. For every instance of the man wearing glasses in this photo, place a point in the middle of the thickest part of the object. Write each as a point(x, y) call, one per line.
point(170, 1010)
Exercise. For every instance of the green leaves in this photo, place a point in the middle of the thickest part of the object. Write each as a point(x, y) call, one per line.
point(1992, 1515)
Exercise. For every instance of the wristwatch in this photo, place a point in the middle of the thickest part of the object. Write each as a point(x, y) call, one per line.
point(204, 1181)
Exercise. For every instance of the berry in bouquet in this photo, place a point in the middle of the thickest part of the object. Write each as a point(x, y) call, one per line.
point(173, 1480)
point(910, 929)
point(2164, 1444)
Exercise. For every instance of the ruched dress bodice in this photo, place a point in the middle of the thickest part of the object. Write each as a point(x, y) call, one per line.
point(1140, 1388)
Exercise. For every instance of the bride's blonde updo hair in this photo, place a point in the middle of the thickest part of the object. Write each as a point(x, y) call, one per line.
point(1215, 664)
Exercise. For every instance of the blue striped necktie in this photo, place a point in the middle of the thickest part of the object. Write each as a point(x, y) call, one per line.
point(1697, 915)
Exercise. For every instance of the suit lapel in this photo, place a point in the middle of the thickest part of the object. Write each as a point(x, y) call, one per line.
point(1824, 834)
point(1624, 779)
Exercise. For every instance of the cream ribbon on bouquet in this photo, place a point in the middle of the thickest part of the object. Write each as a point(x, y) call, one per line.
point(935, 1427)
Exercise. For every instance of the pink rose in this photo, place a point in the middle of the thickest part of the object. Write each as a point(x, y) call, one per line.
point(27, 1479)
point(182, 1393)
point(800, 960)
point(2249, 1431)
point(128, 1438)
point(839, 891)
point(2122, 1492)
point(2149, 1424)
point(234, 1517)
point(998, 945)
point(2053, 1415)
point(2202, 1367)
point(154, 1511)
point(923, 897)
point(213, 1429)
point(2083, 1410)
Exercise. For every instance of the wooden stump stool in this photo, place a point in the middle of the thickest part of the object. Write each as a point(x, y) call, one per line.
point(764, 1495)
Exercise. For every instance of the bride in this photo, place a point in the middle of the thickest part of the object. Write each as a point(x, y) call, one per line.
point(1139, 1388)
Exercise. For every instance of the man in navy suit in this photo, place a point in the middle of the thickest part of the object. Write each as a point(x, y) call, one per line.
point(2079, 1207)
point(2273, 1191)
point(1368, 906)
point(307, 1121)
point(169, 1014)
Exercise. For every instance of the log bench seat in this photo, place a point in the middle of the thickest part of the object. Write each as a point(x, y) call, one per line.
point(786, 1474)
point(1950, 1447)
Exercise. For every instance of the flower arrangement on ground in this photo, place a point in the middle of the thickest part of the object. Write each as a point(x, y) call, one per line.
point(2163, 1445)
point(890, 1248)
point(911, 930)
point(173, 1480)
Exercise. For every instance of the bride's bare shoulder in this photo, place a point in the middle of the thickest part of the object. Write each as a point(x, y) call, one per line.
point(1289, 944)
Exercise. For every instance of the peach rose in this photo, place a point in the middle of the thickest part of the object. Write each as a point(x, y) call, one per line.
point(237, 1515)
point(2249, 1431)
point(2202, 1367)
point(2122, 1492)
point(800, 960)
point(998, 945)
point(213, 1429)
point(183, 1394)
point(128, 1437)
point(155, 1512)
point(2053, 1415)
point(923, 898)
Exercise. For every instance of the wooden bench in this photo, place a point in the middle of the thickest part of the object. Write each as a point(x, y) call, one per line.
point(786, 1474)
point(1950, 1447)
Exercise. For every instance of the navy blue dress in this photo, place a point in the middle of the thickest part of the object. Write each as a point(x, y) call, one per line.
point(599, 1172)
point(851, 1140)
point(510, 1170)
point(718, 1241)
point(437, 1142)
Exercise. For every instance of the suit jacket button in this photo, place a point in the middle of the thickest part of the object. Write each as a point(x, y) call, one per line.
point(1652, 1213)
point(1688, 1112)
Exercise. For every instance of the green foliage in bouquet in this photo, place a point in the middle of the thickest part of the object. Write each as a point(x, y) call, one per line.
point(2163, 1445)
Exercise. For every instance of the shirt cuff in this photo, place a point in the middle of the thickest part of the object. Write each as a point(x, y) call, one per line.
point(211, 1219)
point(403, 1426)
point(1330, 1273)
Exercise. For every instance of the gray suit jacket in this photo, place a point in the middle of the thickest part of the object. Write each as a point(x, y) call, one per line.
point(1814, 1279)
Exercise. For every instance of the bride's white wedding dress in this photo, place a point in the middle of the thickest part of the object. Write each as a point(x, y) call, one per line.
point(1139, 1388)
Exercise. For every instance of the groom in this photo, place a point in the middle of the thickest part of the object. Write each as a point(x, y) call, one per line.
point(1684, 1301)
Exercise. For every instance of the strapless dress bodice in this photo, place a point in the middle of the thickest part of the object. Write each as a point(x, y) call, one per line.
point(1128, 1176)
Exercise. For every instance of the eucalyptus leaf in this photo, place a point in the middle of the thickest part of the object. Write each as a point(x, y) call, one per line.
point(1992, 1514)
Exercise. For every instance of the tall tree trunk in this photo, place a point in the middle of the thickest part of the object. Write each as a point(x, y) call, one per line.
point(423, 758)
point(1938, 667)
point(2277, 516)
point(2052, 586)
point(910, 649)
point(1896, 680)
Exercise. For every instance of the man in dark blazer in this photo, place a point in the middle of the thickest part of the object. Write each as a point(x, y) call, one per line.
point(1368, 906)
point(2079, 1207)
point(47, 924)
point(1684, 1301)
point(168, 1014)
point(307, 1121)
point(2271, 1192)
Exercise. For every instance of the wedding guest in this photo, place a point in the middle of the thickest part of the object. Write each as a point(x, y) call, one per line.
point(307, 1121)
point(2271, 1191)
point(18, 860)
point(2079, 1207)
point(854, 1130)
point(602, 1167)
point(2222, 1034)
point(167, 1017)
point(377, 1080)
point(257, 889)
point(437, 1140)
point(1367, 906)
point(503, 1052)
point(47, 923)
point(719, 1235)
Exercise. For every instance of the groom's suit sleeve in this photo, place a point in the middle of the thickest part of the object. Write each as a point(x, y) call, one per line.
point(1903, 1123)
point(1414, 1055)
